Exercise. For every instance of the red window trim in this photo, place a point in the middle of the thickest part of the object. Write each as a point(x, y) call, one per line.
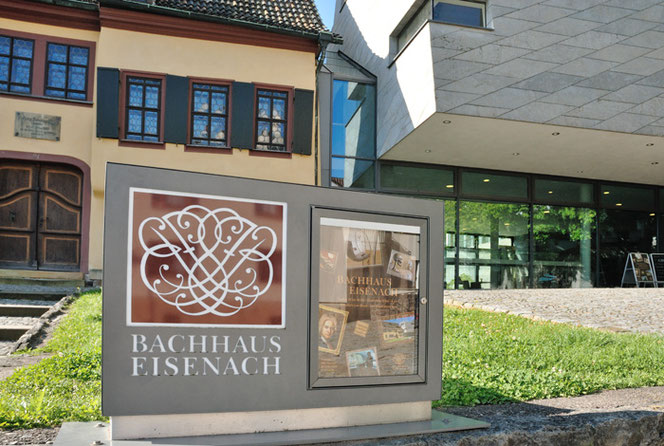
point(189, 147)
point(289, 123)
point(38, 84)
point(123, 141)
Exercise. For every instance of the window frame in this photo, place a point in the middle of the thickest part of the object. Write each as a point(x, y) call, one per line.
point(12, 58)
point(290, 99)
point(123, 106)
point(38, 69)
point(190, 146)
point(482, 5)
point(67, 65)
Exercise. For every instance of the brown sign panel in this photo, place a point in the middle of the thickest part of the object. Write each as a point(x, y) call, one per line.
point(199, 260)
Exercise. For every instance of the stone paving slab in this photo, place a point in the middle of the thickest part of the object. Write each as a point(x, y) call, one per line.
point(638, 310)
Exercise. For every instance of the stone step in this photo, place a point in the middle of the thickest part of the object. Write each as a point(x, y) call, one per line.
point(23, 310)
point(26, 282)
point(12, 332)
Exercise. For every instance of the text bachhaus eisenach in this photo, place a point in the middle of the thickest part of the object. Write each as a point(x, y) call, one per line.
point(234, 361)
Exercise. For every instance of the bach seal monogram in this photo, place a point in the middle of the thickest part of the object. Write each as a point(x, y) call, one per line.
point(202, 260)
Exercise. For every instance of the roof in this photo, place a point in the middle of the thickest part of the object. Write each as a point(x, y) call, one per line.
point(295, 15)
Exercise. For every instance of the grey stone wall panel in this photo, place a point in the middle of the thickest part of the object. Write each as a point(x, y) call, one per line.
point(537, 112)
point(635, 94)
point(626, 122)
point(602, 14)
point(585, 67)
point(627, 27)
point(600, 110)
point(568, 27)
point(576, 96)
point(619, 53)
point(643, 66)
point(548, 82)
point(540, 13)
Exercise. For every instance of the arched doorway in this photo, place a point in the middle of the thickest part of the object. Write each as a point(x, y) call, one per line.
point(41, 215)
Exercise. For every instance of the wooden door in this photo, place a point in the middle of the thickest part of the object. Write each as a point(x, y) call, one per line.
point(60, 212)
point(40, 216)
point(19, 185)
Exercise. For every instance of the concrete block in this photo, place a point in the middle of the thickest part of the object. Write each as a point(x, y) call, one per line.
point(625, 122)
point(510, 98)
point(457, 69)
point(653, 107)
point(532, 40)
point(654, 80)
point(568, 26)
point(594, 39)
point(537, 112)
point(652, 14)
point(657, 54)
point(493, 54)
point(643, 66)
point(447, 100)
point(480, 83)
point(574, 4)
point(548, 82)
point(540, 13)
point(462, 40)
point(499, 11)
point(651, 130)
point(610, 80)
point(571, 121)
point(627, 27)
point(518, 4)
point(520, 68)
point(439, 54)
point(505, 26)
point(602, 14)
point(558, 53)
point(585, 67)
point(575, 95)
point(637, 5)
point(635, 94)
point(619, 53)
point(599, 109)
point(647, 39)
point(478, 110)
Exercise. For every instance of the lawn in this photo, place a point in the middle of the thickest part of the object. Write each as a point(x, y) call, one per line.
point(65, 386)
point(488, 358)
point(493, 358)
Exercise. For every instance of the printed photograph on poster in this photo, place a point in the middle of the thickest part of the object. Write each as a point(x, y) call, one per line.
point(331, 328)
point(328, 260)
point(402, 265)
point(399, 328)
point(642, 267)
point(363, 362)
point(358, 246)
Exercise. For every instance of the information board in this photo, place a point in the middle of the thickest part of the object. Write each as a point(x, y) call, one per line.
point(657, 261)
point(638, 270)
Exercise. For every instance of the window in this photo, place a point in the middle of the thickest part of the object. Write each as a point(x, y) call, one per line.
point(46, 67)
point(272, 120)
point(460, 12)
point(209, 115)
point(143, 111)
point(353, 135)
point(66, 71)
point(16, 57)
point(413, 26)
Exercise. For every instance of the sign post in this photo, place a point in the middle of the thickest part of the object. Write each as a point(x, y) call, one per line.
point(638, 270)
point(236, 306)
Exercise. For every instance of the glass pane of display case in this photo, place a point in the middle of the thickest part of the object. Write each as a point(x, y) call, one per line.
point(367, 300)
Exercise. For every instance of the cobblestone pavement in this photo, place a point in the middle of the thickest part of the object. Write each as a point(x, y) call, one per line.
point(614, 309)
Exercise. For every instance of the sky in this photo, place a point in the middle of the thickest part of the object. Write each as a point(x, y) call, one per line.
point(326, 10)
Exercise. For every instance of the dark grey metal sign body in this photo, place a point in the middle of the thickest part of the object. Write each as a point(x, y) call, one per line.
point(153, 365)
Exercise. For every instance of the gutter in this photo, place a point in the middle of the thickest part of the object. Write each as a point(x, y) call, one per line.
point(71, 4)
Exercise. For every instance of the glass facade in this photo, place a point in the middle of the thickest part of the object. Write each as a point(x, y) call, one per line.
point(353, 135)
point(507, 230)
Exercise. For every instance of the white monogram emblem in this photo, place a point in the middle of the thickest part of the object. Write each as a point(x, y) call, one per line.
point(204, 261)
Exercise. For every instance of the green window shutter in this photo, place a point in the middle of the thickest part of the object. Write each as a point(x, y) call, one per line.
point(108, 97)
point(303, 114)
point(242, 115)
point(177, 109)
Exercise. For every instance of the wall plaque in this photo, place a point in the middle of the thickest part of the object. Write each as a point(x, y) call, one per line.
point(37, 126)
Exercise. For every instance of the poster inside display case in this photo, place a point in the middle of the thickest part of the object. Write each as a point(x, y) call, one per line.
point(368, 297)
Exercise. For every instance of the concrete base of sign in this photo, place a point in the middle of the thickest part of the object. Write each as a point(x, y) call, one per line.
point(84, 434)
point(185, 425)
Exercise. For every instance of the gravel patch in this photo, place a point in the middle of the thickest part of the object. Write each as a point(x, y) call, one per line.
point(42, 436)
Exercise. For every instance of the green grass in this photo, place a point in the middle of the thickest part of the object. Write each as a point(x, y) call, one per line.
point(488, 358)
point(65, 386)
point(493, 358)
